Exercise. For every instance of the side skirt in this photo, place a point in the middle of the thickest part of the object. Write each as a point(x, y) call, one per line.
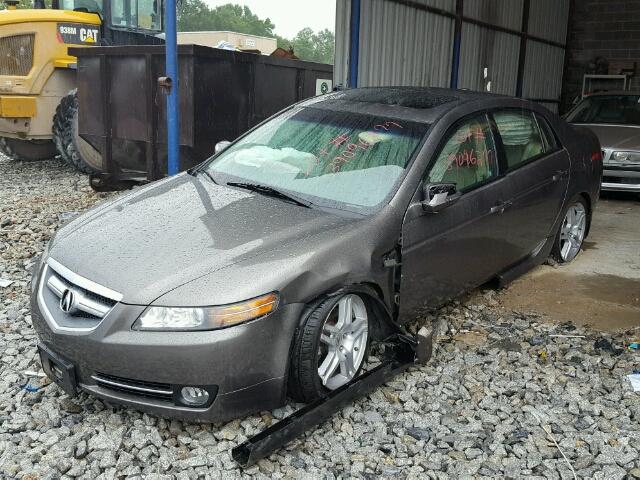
point(535, 258)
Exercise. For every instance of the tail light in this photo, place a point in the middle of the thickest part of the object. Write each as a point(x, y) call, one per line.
point(596, 156)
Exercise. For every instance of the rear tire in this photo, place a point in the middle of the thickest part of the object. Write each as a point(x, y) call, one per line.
point(27, 150)
point(330, 348)
point(572, 231)
point(71, 146)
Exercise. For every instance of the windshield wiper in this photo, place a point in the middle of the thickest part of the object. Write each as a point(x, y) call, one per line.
point(195, 171)
point(271, 191)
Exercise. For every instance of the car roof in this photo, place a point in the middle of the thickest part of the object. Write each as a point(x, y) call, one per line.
point(422, 104)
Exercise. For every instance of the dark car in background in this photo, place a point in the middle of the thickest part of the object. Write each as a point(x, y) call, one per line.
point(615, 119)
point(268, 270)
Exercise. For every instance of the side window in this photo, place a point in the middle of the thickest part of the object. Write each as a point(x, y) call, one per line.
point(549, 138)
point(144, 14)
point(520, 136)
point(469, 156)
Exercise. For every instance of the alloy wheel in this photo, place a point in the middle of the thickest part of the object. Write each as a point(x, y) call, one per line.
point(572, 231)
point(343, 342)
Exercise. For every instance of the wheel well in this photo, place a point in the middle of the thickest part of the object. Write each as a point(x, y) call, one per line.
point(384, 324)
point(382, 327)
point(372, 293)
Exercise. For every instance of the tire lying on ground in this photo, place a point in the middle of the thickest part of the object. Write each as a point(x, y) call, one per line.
point(72, 148)
point(28, 150)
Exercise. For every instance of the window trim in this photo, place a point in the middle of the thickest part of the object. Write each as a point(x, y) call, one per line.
point(449, 133)
point(551, 131)
point(505, 162)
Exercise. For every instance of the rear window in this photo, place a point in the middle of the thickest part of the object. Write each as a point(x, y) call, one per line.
point(520, 136)
point(608, 109)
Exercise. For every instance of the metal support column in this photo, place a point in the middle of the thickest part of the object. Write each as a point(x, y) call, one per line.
point(354, 45)
point(457, 37)
point(173, 106)
point(523, 47)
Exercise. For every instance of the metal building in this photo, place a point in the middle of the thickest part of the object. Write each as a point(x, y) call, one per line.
point(514, 47)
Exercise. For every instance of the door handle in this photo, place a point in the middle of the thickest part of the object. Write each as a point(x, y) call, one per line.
point(498, 208)
point(501, 206)
point(558, 175)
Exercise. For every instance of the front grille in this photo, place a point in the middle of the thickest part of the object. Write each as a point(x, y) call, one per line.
point(16, 55)
point(71, 302)
point(622, 180)
point(89, 304)
point(156, 390)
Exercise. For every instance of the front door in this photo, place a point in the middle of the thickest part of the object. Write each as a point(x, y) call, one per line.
point(459, 247)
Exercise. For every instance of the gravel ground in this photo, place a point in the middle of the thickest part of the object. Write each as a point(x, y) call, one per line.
point(506, 395)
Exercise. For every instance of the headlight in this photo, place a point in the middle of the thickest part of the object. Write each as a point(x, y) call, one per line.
point(624, 157)
point(205, 318)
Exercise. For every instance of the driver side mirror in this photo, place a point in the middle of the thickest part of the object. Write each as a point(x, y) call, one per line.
point(220, 146)
point(438, 196)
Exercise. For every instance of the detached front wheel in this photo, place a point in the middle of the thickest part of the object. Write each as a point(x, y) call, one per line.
point(331, 347)
point(572, 231)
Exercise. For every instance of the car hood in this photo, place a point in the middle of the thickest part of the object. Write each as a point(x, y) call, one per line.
point(617, 137)
point(170, 233)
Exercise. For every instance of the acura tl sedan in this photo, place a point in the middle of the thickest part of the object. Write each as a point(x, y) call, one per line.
point(268, 270)
point(615, 119)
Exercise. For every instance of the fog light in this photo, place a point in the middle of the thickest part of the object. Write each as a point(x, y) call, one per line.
point(194, 396)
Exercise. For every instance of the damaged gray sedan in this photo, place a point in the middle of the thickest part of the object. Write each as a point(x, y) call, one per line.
point(269, 270)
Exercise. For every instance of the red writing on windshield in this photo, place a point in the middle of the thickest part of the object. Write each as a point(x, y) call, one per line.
point(386, 126)
point(348, 153)
point(350, 149)
point(340, 139)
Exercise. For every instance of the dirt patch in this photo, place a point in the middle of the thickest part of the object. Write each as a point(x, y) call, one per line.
point(605, 302)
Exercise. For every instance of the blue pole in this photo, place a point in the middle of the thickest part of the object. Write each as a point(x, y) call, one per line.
point(457, 36)
point(354, 44)
point(173, 109)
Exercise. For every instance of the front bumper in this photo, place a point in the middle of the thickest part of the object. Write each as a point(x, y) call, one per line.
point(244, 367)
point(621, 179)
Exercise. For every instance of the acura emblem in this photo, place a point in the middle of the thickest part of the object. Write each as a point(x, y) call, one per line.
point(68, 301)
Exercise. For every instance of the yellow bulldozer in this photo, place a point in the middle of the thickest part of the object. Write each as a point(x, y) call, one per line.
point(38, 100)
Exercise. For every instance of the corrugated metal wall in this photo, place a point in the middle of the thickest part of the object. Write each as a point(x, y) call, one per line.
point(543, 69)
point(401, 43)
point(549, 19)
point(393, 45)
point(341, 55)
point(496, 51)
point(504, 13)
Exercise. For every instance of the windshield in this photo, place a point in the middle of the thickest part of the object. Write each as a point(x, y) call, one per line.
point(613, 109)
point(137, 14)
point(335, 159)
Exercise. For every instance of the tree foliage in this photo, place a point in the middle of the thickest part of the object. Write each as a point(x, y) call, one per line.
point(196, 15)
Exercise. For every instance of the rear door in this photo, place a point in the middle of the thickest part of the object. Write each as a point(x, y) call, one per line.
point(537, 174)
point(463, 245)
